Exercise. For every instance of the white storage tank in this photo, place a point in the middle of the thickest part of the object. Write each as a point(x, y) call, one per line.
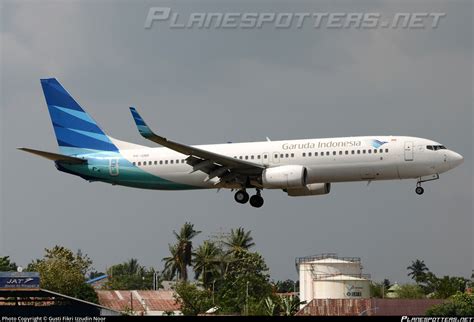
point(328, 276)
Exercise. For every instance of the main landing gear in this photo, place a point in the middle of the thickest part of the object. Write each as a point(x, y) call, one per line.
point(242, 197)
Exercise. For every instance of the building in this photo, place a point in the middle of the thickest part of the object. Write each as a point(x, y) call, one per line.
point(21, 295)
point(159, 302)
point(328, 276)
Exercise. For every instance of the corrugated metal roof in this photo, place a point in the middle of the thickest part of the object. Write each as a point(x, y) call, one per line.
point(140, 301)
point(383, 307)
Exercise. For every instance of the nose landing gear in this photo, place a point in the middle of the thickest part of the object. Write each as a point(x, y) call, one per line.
point(419, 190)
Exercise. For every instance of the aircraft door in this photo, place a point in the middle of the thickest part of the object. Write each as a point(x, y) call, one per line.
point(409, 151)
point(114, 167)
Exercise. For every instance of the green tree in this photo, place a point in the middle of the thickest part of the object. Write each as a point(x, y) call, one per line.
point(185, 248)
point(173, 263)
point(239, 240)
point(206, 262)
point(193, 300)
point(418, 271)
point(6, 265)
point(290, 305)
point(64, 272)
point(410, 291)
point(286, 286)
point(448, 286)
point(245, 285)
point(460, 304)
point(130, 275)
point(376, 290)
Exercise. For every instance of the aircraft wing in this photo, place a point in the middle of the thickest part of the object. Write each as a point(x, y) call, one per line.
point(214, 164)
point(55, 156)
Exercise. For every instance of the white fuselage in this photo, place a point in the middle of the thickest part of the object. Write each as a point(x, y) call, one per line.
point(326, 160)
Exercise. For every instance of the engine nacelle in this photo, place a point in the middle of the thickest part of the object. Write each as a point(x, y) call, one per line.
point(284, 177)
point(312, 189)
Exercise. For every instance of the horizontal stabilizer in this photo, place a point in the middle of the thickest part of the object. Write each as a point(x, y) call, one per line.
point(55, 156)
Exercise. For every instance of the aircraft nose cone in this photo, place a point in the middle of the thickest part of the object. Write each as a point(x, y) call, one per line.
point(456, 159)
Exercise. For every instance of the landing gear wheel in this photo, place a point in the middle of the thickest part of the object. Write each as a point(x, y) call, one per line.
point(256, 201)
point(419, 190)
point(241, 196)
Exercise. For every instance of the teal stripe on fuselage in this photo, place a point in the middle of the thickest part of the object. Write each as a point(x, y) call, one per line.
point(98, 169)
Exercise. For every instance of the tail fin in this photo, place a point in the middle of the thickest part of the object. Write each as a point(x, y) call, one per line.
point(76, 132)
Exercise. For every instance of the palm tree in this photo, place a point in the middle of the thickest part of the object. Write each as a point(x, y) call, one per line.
point(239, 240)
point(418, 270)
point(207, 262)
point(132, 267)
point(172, 263)
point(185, 248)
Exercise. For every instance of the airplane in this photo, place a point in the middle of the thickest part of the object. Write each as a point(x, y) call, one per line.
point(305, 167)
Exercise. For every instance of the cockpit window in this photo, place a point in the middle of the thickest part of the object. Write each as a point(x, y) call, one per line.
point(436, 147)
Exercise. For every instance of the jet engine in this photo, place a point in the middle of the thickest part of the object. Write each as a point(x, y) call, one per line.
point(285, 177)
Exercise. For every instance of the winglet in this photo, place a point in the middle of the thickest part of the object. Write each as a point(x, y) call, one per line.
point(144, 130)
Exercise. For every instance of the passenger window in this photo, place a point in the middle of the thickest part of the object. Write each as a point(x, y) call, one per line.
point(133, 163)
point(251, 157)
point(183, 161)
point(240, 157)
point(333, 152)
point(258, 156)
point(139, 163)
point(309, 154)
point(352, 152)
point(246, 157)
point(166, 161)
point(276, 156)
point(292, 155)
point(327, 153)
point(370, 151)
point(386, 150)
point(304, 154)
point(287, 155)
point(340, 152)
point(149, 163)
point(315, 154)
point(358, 151)
point(381, 151)
point(156, 162)
point(347, 152)
point(171, 161)
point(281, 155)
point(265, 156)
point(363, 151)
point(375, 150)
point(161, 161)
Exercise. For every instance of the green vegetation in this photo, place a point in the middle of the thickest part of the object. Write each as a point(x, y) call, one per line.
point(130, 275)
point(64, 272)
point(460, 304)
point(6, 265)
